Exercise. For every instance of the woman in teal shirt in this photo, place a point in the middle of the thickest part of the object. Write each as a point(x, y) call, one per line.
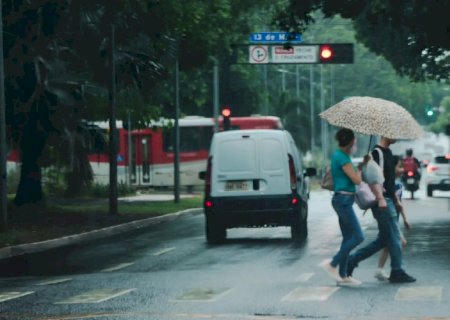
point(345, 179)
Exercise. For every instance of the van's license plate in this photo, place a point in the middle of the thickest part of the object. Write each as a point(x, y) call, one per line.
point(236, 185)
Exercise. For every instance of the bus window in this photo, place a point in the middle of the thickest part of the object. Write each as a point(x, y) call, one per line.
point(192, 139)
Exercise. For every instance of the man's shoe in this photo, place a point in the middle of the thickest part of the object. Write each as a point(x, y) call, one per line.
point(350, 268)
point(400, 277)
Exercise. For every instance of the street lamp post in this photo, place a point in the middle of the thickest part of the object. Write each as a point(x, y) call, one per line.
point(283, 79)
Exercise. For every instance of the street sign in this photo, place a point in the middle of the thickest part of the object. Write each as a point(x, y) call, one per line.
point(258, 54)
point(275, 37)
point(313, 53)
point(294, 54)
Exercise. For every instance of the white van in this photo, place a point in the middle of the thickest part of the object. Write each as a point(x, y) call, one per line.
point(255, 178)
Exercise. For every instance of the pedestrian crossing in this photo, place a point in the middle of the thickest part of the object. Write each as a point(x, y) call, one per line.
point(304, 291)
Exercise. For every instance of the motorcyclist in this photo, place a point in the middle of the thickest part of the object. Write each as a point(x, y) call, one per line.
point(410, 163)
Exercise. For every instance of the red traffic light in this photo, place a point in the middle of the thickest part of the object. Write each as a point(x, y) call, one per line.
point(326, 52)
point(335, 53)
point(226, 112)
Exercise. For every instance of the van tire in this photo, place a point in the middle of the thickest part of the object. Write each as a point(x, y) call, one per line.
point(299, 227)
point(215, 232)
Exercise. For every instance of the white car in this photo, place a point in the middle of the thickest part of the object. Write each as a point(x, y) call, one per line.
point(438, 174)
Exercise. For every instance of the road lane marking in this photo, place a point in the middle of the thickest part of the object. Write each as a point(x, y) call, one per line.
point(118, 267)
point(196, 238)
point(204, 294)
point(310, 294)
point(163, 251)
point(55, 281)
point(419, 294)
point(304, 277)
point(5, 296)
point(95, 296)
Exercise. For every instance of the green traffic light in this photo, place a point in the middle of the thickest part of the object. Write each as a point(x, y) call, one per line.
point(430, 113)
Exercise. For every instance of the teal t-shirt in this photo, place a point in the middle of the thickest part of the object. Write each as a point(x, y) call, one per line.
point(340, 180)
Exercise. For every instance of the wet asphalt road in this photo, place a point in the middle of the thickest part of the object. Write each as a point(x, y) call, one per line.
point(168, 271)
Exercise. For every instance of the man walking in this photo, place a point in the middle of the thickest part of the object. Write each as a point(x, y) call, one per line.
point(387, 219)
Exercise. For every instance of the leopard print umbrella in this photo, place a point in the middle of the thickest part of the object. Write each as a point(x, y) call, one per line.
point(373, 116)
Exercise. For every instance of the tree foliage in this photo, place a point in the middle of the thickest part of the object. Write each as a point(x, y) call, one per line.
point(58, 68)
point(412, 35)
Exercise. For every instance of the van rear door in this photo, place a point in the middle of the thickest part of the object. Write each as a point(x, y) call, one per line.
point(250, 163)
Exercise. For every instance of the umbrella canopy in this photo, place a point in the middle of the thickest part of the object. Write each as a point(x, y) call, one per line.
point(373, 116)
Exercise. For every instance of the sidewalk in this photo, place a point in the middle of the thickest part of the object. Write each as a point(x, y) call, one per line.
point(22, 249)
point(153, 197)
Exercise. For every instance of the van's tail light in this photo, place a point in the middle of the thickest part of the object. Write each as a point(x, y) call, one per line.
point(431, 168)
point(292, 174)
point(208, 203)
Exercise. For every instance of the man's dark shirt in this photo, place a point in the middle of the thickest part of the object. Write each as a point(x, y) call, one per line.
point(388, 170)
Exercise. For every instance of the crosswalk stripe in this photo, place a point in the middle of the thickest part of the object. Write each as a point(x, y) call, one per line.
point(163, 251)
point(5, 296)
point(422, 293)
point(304, 277)
point(95, 296)
point(118, 267)
point(310, 294)
point(55, 281)
point(203, 294)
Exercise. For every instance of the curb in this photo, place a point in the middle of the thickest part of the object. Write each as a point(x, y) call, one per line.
point(22, 249)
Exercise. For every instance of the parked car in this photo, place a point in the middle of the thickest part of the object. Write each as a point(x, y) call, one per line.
point(255, 178)
point(438, 174)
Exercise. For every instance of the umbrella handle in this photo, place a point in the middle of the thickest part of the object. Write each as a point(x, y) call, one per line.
point(370, 143)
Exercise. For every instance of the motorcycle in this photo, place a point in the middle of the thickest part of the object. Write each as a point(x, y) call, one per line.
point(410, 180)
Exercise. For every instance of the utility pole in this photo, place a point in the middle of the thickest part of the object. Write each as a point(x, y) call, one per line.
point(323, 129)
point(3, 173)
point(129, 149)
point(176, 162)
point(113, 205)
point(297, 87)
point(311, 106)
point(266, 91)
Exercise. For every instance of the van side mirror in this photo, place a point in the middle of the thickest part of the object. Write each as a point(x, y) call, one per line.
point(202, 175)
point(310, 172)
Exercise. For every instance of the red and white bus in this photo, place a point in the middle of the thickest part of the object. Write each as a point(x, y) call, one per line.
point(152, 151)
point(148, 159)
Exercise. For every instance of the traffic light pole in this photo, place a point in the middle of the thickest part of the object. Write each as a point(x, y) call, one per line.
point(216, 96)
point(311, 106)
point(3, 173)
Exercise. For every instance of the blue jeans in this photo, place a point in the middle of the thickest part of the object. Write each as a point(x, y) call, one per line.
point(352, 234)
point(388, 235)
